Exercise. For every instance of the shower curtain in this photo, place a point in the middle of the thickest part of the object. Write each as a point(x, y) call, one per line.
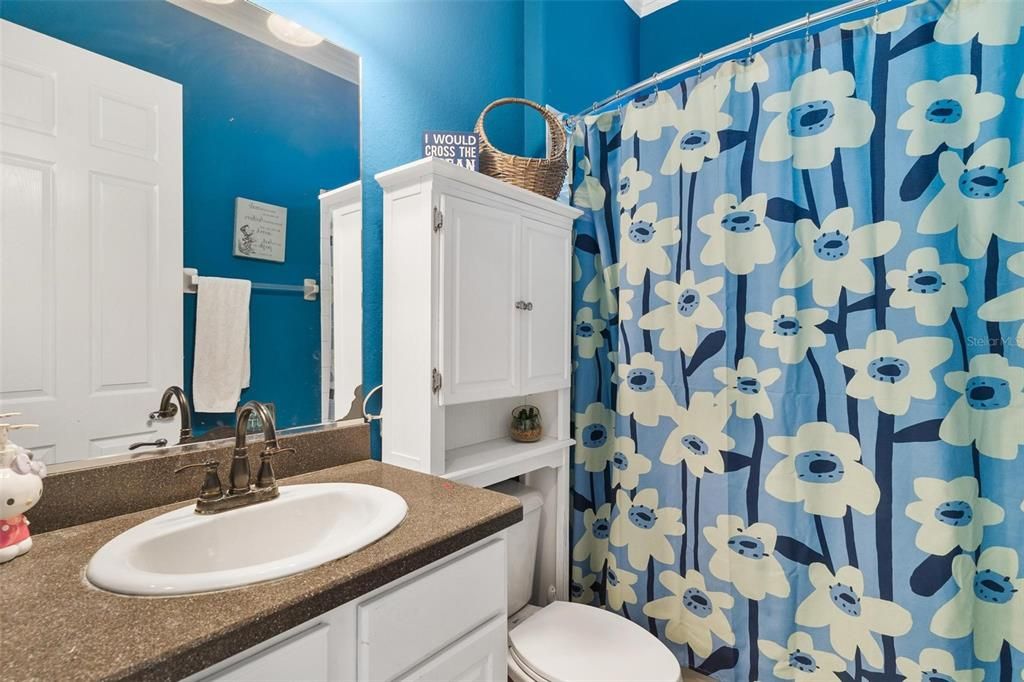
point(799, 354)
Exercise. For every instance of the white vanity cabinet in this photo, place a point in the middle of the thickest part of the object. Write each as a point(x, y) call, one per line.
point(446, 621)
point(477, 320)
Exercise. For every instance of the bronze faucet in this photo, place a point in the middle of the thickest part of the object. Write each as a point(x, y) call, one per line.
point(169, 409)
point(241, 490)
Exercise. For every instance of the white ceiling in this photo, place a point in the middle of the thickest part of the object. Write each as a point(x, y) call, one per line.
point(645, 7)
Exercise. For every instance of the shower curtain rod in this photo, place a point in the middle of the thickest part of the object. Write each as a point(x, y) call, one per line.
point(750, 42)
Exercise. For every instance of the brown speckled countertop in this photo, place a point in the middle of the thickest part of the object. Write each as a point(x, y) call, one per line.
point(54, 626)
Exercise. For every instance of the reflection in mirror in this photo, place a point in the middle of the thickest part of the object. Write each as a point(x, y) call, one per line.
point(162, 163)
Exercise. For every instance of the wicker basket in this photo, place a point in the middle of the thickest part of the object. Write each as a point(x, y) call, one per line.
point(543, 176)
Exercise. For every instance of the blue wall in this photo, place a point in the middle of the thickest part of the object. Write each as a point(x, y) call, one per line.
point(437, 64)
point(257, 124)
point(577, 51)
point(683, 30)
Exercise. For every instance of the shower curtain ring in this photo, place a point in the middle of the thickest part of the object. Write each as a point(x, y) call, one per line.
point(654, 77)
point(807, 26)
point(700, 66)
point(750, 47)
point(877, 4)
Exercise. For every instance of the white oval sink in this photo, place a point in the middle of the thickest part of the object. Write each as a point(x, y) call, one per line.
point(182, 552)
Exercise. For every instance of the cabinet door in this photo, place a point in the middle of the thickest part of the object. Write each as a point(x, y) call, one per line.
point(546, 289)
point(479, 283)
point(300, 658)
point(477, 657)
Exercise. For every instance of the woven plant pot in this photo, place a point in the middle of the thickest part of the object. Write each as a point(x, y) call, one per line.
point(543, 176)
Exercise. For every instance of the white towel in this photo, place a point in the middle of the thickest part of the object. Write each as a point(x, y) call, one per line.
point(221, 368)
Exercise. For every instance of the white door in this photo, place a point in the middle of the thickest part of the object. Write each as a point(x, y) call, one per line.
point(90, 246)
point(478, 657)
point(479, 285)
point(546, 288)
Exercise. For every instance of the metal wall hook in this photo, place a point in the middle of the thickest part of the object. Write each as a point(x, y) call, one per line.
point(367, 417)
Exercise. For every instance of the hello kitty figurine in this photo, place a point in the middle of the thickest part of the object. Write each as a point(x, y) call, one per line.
point(21, 485)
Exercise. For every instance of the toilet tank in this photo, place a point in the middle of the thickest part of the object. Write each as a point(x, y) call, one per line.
point(522, 543)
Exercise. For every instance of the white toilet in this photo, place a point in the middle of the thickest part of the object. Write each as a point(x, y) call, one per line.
point(566, 642)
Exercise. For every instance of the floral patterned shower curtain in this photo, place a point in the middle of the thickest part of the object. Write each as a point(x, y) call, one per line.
point(799, 381)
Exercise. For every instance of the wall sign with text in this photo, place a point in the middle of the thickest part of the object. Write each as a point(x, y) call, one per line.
point(260, 230)
point(462, 149)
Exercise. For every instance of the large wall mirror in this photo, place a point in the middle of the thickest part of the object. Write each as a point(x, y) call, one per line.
point(143, 144)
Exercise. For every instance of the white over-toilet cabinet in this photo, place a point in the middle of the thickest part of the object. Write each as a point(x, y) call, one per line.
point(504, 303)
point(477, 306)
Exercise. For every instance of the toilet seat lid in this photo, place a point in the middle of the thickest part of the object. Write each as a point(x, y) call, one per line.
point(565, 642)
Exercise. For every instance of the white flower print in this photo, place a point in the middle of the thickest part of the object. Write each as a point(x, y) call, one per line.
point(699, 437)
point(577, 269)
point(951, 514)
point(593, 437)
point(893, 372)
point(744, 557)
point(1010, 306)
point(799, 660)
point(581, 586)
point(990, 409)
point(643, 528)
point(822, 468)
point(689, 307)
point(590, 194)
point(628, 465)
point(746, 72)
point(647, 114)
point(593, 544)
point(632, 181)
point(833, 257)
point(789, 330)
point(949, 112)
point(643, 241)
point(980, 198)
point(588, 336)
point(697, 126)
point(883, 22)
point(816, 117)
point(1020, 88)
point(838, 603)
point(619, 585)
point(601, 289)
point(625, 307)
point(936, 664)
point(929, 287)
point(995, 22)
point(693, 613)
point(643, 393)
point(989, 603)
point(745, 388)
point(739, 238)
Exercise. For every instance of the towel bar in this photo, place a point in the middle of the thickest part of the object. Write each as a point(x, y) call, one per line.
point(309, 287)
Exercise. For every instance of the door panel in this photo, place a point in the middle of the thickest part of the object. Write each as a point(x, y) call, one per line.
point(90, 245)
point(479, 284)
point(546, 325)
point(479, 657)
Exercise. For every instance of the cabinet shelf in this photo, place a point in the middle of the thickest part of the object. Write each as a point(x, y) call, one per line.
point(491, 461)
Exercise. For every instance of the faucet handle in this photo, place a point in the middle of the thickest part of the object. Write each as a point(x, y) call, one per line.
point(265, 478)
point(167, 413)
point(211, 489)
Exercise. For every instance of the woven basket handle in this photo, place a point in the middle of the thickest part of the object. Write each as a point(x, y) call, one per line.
point(555, 128)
